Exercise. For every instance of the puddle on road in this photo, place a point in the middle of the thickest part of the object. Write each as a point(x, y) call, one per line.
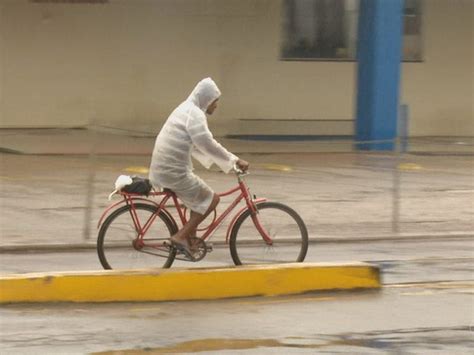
point(429, 288)
point(201, 345)
point(401, 340)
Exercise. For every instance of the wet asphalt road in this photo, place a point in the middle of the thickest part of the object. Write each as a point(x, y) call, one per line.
point(425, 307)
point(337, 195)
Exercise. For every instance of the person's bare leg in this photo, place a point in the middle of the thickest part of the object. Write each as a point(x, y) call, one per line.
point(189, 229)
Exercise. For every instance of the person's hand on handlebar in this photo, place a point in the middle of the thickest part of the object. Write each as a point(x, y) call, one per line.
point(242, 165)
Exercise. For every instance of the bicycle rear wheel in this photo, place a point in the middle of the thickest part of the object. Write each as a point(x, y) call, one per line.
point(119, 248)
point(285, 227)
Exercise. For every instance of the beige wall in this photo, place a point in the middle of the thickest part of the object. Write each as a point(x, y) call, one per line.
point(129, 63)
point(440, 90)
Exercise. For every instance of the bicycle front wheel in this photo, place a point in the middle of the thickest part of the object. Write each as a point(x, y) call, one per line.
point(119, 247)
point(284, 226)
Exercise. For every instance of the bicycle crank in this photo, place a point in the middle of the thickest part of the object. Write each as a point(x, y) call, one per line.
point(200, 250)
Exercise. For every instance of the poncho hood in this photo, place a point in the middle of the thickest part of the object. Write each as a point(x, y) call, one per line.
point(205, 92)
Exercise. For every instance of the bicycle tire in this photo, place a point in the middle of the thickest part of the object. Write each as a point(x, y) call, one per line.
point(298, 240)
point(106, 253)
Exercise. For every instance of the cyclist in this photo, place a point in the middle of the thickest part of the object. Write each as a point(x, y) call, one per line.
point(186, 134)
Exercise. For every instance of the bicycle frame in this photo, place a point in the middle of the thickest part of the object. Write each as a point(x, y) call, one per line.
point(132, 199)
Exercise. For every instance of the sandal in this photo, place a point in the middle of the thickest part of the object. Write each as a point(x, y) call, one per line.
point(182, 248)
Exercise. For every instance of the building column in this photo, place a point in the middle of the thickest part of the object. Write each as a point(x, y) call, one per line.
point(378, 72)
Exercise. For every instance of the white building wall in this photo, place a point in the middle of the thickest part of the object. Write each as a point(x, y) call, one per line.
point(129, 63)
point(440, 91)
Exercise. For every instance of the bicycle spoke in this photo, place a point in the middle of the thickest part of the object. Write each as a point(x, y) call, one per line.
point(285, 228)
point(120, 248)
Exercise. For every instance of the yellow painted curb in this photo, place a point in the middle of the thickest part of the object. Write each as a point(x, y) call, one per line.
point(186, 284)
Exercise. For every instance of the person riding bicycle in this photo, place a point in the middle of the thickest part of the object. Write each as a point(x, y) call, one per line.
point(186, 134)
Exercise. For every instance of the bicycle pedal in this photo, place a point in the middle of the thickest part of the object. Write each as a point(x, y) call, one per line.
point(183, 257)
point(187, 256)
point(209, 247)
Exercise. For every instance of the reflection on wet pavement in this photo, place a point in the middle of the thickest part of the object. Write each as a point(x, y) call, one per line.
point(397, 341)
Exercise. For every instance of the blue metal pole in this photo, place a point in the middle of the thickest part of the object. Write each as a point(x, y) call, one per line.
point(378, 73)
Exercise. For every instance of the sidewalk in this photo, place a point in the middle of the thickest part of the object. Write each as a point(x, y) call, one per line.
point(343, 195)
point(121, 142)
point(117, 142)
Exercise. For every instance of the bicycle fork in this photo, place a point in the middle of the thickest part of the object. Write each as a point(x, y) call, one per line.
point(261, 229)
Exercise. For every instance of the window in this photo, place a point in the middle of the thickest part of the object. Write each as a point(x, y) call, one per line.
point(412, 31)
point(327, 30)
point(70, 1)
point(319, 29)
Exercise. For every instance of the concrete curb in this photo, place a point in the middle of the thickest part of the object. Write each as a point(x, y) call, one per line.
point(187, 284)
point(73, 247)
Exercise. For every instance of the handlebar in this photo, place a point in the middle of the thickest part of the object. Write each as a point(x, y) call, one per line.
point(239, 172)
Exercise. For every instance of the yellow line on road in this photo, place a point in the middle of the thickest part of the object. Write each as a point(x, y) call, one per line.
point(137, 169)
point(187, 284)
point(277, 167)
point(409, 166)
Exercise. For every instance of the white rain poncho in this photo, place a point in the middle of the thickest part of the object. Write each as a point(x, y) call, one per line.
point(186, 134)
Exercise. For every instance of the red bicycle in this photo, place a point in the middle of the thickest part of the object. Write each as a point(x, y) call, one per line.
point(133, 232)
